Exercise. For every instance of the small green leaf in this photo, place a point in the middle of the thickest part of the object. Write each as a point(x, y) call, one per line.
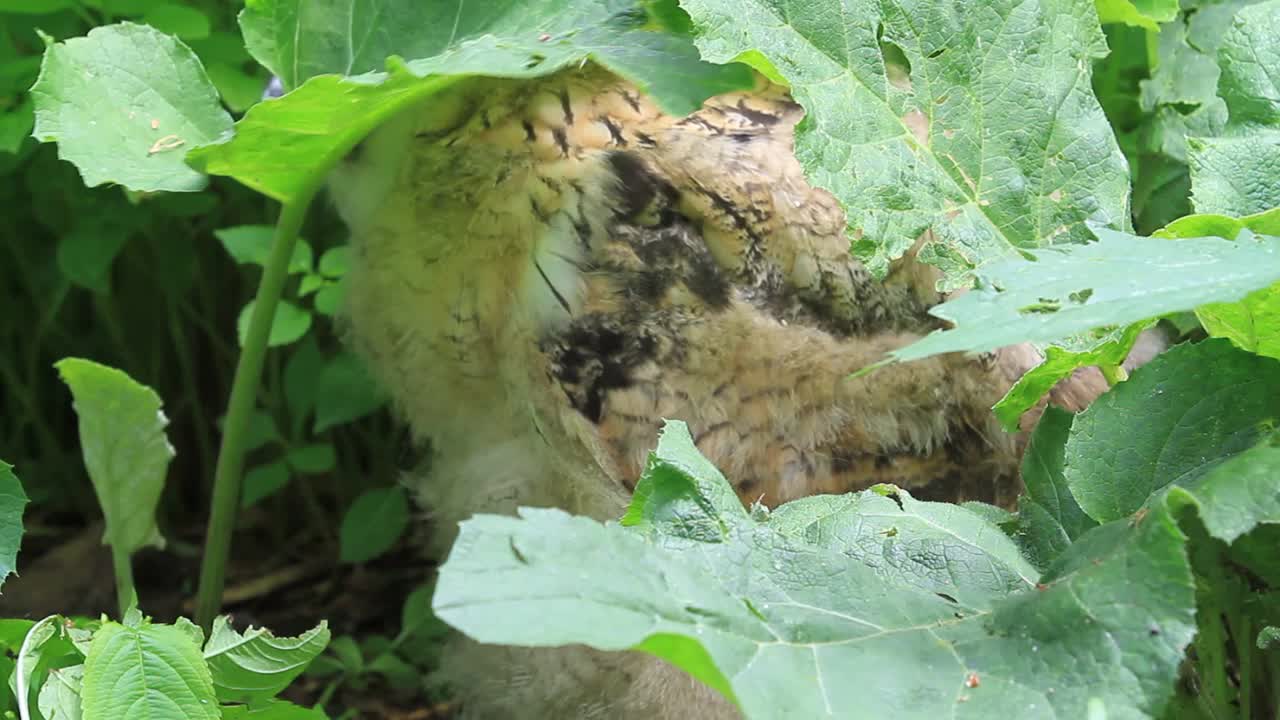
point(252, 244)
point(301, 378)
point(419, 625)
point(43, 648)
point(261, 430)
point(1268, 638)
point(335, 262)
point(85, 255)
point(13, 500)
point(312, 459)
point(1253, 323)
point(329, 298)
point(185, 22)
point(274, 710)
point(1140, 13)
point(1059, 363)
point(348, 653)
point(1197, 405)
point(290, 324)
point(124, 104)
point(263, 481)
point(146, 672)
point(256, 665)
point(344, 392)
point(16, 125)
point(35, 7)
point(373, 524)
point(122, 437)
point(60, 695)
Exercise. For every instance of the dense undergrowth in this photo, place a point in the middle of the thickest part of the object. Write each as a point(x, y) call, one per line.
point(1088, 169)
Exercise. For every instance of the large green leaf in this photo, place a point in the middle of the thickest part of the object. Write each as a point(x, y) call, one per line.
point(1117, 281)
point(1236, 174)
point(125, 449)
point(124, 104)
point(281, 148)
point(1196, 405)
point(143, 671)
point(874, 601)
point(256, 665)
point(13, 500)
point(993, 140)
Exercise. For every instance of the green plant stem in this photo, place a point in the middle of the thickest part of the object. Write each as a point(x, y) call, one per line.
point(228, 474)
point(125, 593)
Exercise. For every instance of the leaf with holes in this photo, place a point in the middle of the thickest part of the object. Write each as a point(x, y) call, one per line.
point(973, 119)
point(931, 608)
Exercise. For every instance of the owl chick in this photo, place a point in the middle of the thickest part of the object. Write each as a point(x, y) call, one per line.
point(544, 271)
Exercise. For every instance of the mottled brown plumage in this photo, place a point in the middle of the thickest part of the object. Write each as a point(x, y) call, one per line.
point(545, 271)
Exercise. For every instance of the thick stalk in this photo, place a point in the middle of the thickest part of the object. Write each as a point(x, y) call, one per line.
point(228, 474)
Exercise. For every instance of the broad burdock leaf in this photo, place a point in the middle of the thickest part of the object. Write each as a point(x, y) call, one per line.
point(281, 148)
point(122, 438)
point(1119, 280)
point(992, 137)
point(124, 104)
point(256, 665)
point(13, 500)
point(1236, 174)
point(143, 671)
point(1196, 405)
point(874, 601)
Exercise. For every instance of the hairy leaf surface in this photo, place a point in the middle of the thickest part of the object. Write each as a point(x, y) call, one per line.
point(930, 608)
point(974, 119)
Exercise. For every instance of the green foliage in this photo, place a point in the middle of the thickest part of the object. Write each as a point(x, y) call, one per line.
point(375, 521)
point(281, 148)
point(987, 133)
point(141, 669)
point(997, 131)
point(1197, 404)
point(1120, 281)
point(254, 666)
point(125, 448)
point(914, 599)
point(12, 502)
point(127, 124)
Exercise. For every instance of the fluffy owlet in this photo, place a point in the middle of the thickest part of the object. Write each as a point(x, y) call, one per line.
point(545, 271)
